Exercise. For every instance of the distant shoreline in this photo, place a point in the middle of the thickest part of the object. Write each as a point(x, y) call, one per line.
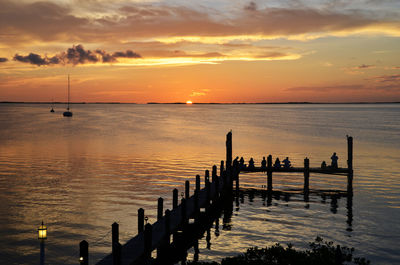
point(197, 103)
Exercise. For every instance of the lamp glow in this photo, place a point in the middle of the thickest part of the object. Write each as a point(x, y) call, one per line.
point(42, 232)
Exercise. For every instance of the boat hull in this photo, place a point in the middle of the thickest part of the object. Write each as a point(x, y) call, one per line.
point(67, 114)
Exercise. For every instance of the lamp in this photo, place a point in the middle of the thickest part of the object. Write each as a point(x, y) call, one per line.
point(42, 232)
point(42, 235)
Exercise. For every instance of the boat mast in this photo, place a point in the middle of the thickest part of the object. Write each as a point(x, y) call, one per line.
point(68, 95)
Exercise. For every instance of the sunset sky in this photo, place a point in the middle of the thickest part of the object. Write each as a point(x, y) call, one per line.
point(203, 51)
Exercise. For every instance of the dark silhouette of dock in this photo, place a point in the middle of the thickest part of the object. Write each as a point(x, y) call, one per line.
point(188, 220)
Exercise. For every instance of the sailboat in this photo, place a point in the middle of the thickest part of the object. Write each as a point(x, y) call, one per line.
point(52, 107)
point(67, 113)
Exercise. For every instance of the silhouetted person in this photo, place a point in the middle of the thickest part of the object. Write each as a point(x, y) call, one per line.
point(251, 163)
point(286, 163)
point(241, 162)
point(277, 163)
point(323, 164)
point(334, 158)
point(264, 163)
point(236, 162)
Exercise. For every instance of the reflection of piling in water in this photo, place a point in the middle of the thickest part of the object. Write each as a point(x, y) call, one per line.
point(306, 175)
point(189, 220)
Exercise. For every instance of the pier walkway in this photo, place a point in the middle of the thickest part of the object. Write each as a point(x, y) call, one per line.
point(190, 217)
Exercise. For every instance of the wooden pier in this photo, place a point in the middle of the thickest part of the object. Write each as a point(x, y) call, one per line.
point(193, 215)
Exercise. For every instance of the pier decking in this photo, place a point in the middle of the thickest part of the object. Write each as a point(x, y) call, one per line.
point(190, 217)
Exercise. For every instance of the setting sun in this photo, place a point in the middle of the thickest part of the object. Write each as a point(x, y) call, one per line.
point(189, 102)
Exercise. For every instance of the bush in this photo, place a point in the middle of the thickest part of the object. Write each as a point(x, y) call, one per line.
point(320, 253)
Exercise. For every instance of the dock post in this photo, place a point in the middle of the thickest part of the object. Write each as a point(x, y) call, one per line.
point(221, 168)
point(269, 173)
point(187, 189)
point(306, 175)
point(174, 198)
point(237, 179)
point(214, 180)
point(214, 172)
point(350, 153)
point(84, 253)
point(140, 220)
point(116, 247)
point(148, 234)
point(350, 164)
point(160, 208)
point(163, 249)
point(198, 182)
point(183, 211)
point(229, 149)
point(167, 225)
point(207, 184)
point(196, 204)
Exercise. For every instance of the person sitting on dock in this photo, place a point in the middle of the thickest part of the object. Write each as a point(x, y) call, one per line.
point(323, 164)
point(286, 163)
point(251, 163)
point(264, 164)
point(277, 163)
point(235, 162)
point(334, 158)
point(241, 162)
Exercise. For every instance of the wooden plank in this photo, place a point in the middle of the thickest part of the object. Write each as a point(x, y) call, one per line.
point(298, 170)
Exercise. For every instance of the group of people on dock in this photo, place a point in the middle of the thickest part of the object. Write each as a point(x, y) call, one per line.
point(285, 163)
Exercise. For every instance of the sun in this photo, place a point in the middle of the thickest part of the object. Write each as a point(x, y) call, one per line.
point(189, 102)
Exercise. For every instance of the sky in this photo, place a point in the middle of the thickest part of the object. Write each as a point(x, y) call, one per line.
point(225, 51)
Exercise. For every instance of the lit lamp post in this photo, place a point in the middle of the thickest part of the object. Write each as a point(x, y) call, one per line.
point(42, 237)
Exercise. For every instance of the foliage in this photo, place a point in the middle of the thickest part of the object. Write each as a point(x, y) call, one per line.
point(319, 253)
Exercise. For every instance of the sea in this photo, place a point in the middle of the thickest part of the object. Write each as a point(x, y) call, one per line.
point(80, 174)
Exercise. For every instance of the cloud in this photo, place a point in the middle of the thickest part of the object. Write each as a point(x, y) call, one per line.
point(252, 6)
point(75, 55)
point(365, 66)
point(35, 59)
point(127, 54)
point(45, 21)
point(387, 78)
point(3, 60)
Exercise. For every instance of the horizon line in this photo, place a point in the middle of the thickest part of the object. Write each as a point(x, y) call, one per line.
point(201, 103)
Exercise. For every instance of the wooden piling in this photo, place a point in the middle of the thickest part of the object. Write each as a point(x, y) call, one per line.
point(196, 204)
point(350, 153)
point(163, 248)
point(221, 168)
point(183, 212)
point(207, 184)
point(269, 173)
point(306, 175)
point(140, 220)
point(236, 172)
point(229, 150)
point(167, 217)
point(350, 164)
point(84, 253)
point(198, 182)
point(187, 189)
point(148, 234)
point(160, 208)
point(174, 198)
point(116, 247)
point(214, 173)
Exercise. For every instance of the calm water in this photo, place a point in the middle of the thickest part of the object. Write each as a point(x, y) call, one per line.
point(81, 174)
